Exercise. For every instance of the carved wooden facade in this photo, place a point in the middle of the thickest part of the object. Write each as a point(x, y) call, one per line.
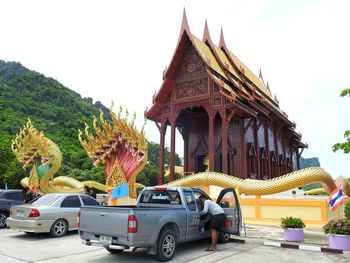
point(221, 116)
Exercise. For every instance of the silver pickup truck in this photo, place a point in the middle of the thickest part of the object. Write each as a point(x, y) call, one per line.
point(162, 218)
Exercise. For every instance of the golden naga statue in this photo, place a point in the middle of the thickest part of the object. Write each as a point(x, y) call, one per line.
point(43, 157)
point(119, 147)
point(265, 187)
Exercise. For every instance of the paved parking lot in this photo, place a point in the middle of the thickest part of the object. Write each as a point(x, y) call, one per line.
point(20, 247)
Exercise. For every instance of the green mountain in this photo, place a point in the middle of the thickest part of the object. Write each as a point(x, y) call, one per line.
point(52, 108)
point(58, 112)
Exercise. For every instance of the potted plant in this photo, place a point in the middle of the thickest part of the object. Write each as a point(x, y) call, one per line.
point(293, 228)
point(338, 231)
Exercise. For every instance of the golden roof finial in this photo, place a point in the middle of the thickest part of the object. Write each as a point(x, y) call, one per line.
point(184, 24)
point(206, 34)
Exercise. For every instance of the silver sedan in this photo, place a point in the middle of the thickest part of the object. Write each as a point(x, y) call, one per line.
point(52, 213)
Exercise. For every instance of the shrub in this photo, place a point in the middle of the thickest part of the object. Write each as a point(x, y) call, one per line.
point(292, 222)
point(339, 226)
point(347, 210)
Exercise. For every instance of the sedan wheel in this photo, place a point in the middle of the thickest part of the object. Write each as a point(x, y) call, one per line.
point(3, 217)
point(59, 228)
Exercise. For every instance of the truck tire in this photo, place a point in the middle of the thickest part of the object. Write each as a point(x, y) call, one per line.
point(224, 237)
point(59, 228)
point(166, 245)
point(3, 217)
point(114, 251)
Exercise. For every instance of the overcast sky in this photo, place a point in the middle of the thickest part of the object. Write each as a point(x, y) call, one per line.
point(118, 50)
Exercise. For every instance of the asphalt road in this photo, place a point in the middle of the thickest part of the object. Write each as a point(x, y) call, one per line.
point(20, 247)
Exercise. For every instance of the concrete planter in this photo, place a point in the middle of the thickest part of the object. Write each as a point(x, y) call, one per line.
point(341, 242)
point(294, 234)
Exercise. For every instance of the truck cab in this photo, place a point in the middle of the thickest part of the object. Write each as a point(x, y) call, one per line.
point(196, 229)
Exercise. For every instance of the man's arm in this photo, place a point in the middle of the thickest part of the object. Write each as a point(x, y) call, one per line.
point(205, 209)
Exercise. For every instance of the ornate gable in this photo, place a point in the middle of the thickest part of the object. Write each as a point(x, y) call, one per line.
point(191, 77)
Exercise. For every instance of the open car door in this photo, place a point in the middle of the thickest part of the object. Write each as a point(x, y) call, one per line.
point(229, 201)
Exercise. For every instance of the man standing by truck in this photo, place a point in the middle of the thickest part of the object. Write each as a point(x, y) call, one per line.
point(217, 220)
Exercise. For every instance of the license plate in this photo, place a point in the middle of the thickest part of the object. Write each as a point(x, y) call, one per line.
point(20, 214)
point(105, 240)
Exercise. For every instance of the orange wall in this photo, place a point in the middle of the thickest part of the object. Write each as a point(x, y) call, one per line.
point(315, 213)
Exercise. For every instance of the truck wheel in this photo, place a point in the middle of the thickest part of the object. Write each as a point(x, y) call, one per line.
point(166, 245)
point(224, 237)
point(59, 228)
point(114, 251)
point(3, 217)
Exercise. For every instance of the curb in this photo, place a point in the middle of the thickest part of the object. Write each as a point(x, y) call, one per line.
point(303, 247)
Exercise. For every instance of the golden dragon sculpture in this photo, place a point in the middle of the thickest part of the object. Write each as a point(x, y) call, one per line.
point(43, 158)
point(119, 147)
point(258, 187)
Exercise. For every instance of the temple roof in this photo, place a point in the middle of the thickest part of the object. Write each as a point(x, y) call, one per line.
point(250, 75)
point(223, 67)
point(207, 55)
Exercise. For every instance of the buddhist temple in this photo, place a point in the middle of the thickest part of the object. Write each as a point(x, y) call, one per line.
point(225, 113)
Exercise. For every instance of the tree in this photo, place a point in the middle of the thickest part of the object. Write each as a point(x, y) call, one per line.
point(149, 175)
point(345, 146)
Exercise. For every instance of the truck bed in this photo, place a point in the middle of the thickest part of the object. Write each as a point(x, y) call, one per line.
point(112, 221)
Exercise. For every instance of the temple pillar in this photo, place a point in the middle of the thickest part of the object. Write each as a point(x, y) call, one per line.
point(290, 159)
point(267, 146)
point(224, 129)
point(161, 152)
point(172, 151)
point(211, 140)
point(298, 158)
point(256, 140)
point(244, 158)
point(185, 138)
point(275, 135)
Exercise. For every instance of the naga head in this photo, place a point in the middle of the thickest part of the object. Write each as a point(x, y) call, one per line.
point(117, 145)
point(36, 152)
point(31, 146)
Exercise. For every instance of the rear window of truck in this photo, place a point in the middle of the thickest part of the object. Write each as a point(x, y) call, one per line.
point(171, 197)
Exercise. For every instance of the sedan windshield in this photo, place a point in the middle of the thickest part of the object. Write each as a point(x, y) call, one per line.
point(45, 200)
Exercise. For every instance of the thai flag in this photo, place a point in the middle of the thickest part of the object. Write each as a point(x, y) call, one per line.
point(121, 190)
point(336, 198)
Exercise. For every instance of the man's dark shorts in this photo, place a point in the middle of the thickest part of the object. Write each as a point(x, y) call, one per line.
point(217, 221)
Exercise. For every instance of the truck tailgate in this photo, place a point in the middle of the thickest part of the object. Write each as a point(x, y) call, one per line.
point(109, 221)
